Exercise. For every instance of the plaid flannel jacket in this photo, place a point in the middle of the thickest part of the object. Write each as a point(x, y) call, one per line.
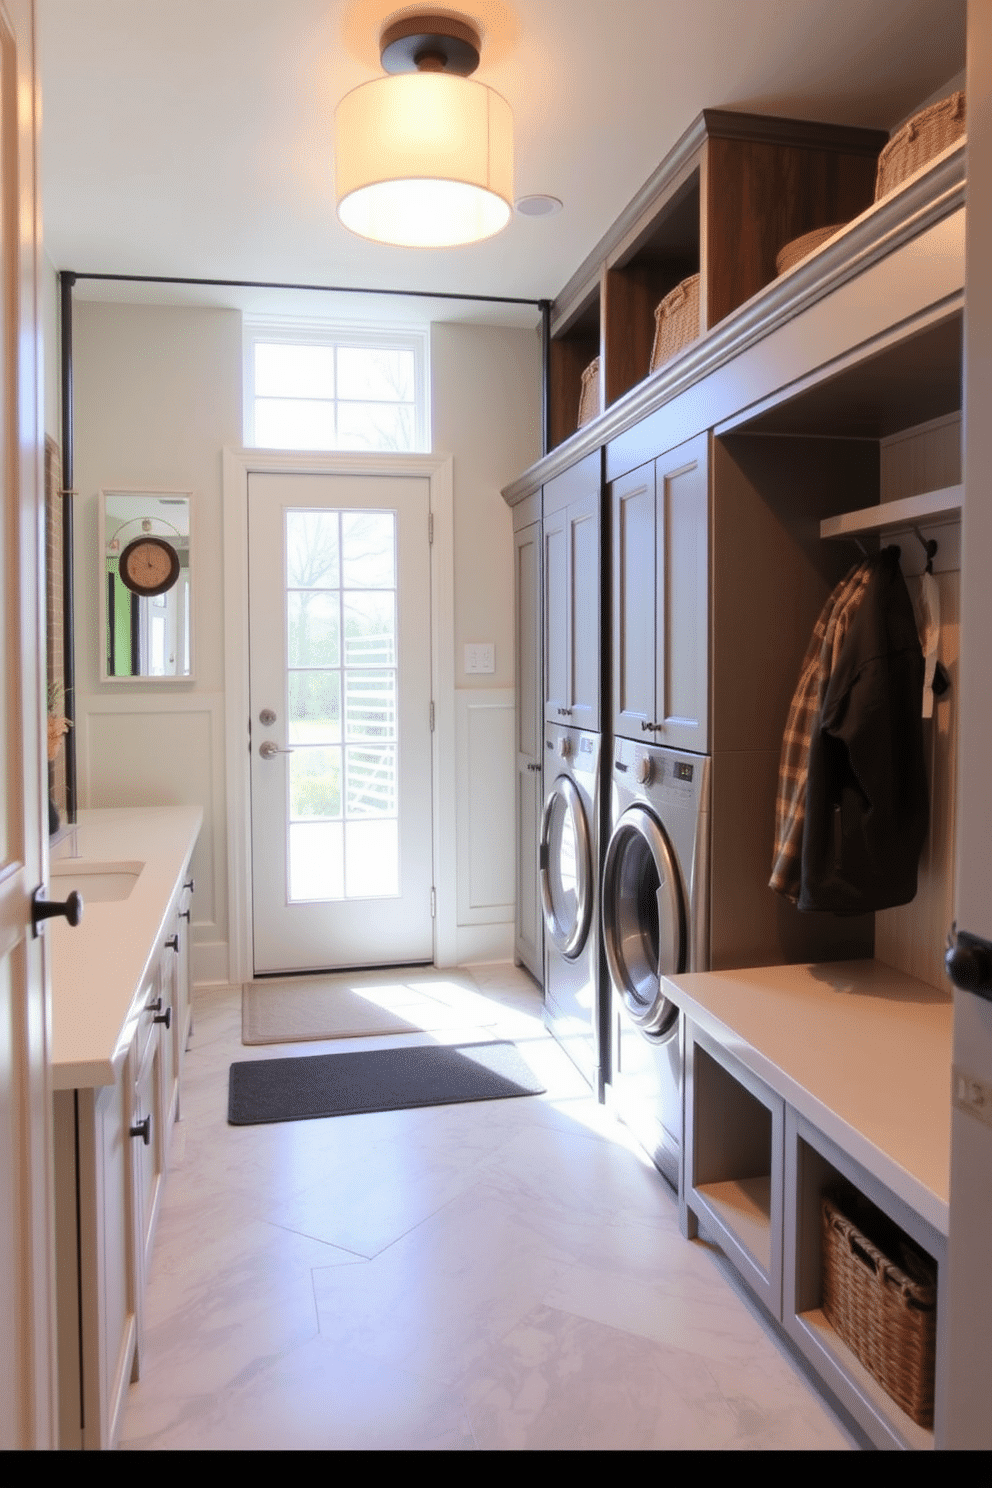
point(828, 637)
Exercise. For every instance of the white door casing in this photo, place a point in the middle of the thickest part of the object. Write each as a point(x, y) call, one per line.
point(27, 1372)
point(966, 1355)
point(339, 601)
point(239, 465)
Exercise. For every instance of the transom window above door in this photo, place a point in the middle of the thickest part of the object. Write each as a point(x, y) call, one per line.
point(336, 388)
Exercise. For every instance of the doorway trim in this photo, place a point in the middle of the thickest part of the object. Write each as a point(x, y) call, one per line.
point(238, 465)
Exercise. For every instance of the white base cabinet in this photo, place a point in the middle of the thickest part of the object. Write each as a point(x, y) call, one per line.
point(111, 1143)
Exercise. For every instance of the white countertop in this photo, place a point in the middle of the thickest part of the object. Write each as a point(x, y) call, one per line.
point(862, 1051)
point(98, 968)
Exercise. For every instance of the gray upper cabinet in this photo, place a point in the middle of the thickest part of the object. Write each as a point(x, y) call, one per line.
point(661, 600)
point(572, 533)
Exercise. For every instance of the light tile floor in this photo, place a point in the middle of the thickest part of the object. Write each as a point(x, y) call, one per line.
point(506, 1274)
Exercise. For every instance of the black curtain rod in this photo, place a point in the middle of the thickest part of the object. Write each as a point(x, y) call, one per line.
point(424, 294)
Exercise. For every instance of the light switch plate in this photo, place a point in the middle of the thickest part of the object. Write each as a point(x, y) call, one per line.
point(480, 656)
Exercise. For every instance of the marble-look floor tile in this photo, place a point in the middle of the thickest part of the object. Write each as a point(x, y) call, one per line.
point(503, 1274)
point(561, 1383)
point(311, 1398)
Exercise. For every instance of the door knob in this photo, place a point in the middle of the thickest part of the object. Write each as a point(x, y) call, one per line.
point(46, 909)
point(268, 750)
point(969, 962)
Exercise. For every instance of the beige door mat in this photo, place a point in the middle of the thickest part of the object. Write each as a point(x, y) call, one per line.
point(358, 1004)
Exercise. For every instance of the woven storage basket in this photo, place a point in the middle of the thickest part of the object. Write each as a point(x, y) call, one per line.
point(923, 137)
point(884, 1311)
point(800, 248)
point(589, 396)
point(676, 321)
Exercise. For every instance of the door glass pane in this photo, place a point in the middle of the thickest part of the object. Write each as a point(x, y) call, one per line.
point(370, 705)
point(371, 782)
point(370, 628)
point(314, 783)
point(312, 550)
point(315, 707)
point(314, 628)
point(316, 861)
point(368, 550)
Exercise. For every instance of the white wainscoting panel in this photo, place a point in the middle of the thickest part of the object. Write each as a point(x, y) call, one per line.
point(166, 750)
point(484, 798)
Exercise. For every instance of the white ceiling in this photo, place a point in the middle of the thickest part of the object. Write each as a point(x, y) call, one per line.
point(195, 137)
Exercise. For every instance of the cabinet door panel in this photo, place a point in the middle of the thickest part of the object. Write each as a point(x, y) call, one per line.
point(682, 682)
point(530, 729)
point(633, 506)
point(530, 924)
point(584, 609)
point(556, 616)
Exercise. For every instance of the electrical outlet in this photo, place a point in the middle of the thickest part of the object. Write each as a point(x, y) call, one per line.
point(480, 656)
point(971, 1094)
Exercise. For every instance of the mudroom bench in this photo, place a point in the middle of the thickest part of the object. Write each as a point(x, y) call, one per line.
point(797, 1079)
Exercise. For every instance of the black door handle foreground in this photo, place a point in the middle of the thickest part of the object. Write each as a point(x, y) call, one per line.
point(165, 1017)
point(46, 909)
point(142, 1130)
point(172, 944)
point(969, 962)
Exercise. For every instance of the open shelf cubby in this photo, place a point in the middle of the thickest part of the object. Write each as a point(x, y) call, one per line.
point(814, 1167)
point(733, 1179)
point(729, 194)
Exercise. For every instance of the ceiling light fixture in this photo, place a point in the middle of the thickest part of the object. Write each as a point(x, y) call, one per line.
point(424, 157)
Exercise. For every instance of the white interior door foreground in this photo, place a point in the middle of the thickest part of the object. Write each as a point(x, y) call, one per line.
point(340, 688)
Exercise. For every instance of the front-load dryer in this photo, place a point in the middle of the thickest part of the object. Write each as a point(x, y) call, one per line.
point(654, 911)
point(569, 869)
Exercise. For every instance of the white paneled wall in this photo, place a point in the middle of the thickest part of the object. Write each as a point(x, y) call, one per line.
point(174, 751)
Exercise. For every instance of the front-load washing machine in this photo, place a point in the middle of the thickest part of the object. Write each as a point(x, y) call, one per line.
point(655, 906)
point(569, 868)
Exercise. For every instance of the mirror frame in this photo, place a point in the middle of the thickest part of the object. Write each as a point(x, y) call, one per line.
point(155, 493)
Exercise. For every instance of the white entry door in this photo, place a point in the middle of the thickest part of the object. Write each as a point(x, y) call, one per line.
point(27, 1403)
point(340, 688)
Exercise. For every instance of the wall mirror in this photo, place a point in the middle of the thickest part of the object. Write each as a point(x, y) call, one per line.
point(145, 586)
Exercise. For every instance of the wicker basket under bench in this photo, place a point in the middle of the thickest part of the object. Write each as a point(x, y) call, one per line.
point(880, 1297)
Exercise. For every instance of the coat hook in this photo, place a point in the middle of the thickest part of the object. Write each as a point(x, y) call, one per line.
point(929, 547)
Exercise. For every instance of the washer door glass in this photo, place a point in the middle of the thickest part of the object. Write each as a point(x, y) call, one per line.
point(644, 921)
point(566, 868)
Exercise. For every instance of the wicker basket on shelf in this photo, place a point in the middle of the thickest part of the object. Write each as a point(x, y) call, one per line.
point(884, 1311)
point(676, 321)
point(927, 133)
point(800, 248)
point(589, 403)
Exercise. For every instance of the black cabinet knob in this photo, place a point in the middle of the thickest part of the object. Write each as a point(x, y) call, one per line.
point(165, 1018)
point(172, 943)
point(142, 1130)
point(969, 962)
point(190, 885)
point(46, 909)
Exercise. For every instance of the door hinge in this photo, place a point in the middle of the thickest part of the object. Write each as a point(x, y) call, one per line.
point(430, 527)
point(433, 903)
point(432, 716)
